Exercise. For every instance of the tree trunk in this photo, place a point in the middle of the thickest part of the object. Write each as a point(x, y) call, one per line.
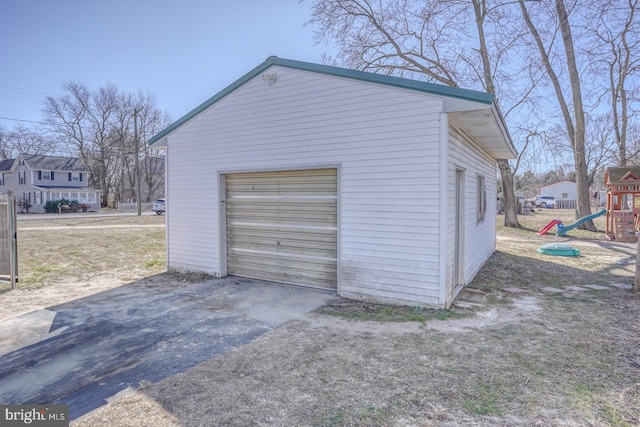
point(582, 180)
point(510, 209)
point(508, 192)
point(583, 207)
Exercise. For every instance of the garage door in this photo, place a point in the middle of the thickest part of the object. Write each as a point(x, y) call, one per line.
point(282, 226)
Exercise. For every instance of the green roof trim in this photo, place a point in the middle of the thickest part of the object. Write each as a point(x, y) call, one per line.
point(448, 91)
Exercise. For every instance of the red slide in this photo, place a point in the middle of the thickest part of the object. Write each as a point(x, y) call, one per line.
point(549, 226)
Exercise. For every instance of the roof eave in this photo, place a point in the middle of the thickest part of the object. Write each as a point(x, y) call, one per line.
point(504, 130)
point(465, 95)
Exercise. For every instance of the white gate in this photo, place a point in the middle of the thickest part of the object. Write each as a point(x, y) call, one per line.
point(8, 239)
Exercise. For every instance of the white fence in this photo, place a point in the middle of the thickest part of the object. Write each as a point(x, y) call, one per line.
point(566, 204)
point(133, 207)
point(571, 204)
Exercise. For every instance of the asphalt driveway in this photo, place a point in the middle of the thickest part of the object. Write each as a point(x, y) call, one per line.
point(82, 352)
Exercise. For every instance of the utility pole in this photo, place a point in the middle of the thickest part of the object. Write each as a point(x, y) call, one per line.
point(137, 160)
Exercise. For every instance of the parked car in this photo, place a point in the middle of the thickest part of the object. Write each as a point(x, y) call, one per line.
point(545, 202)
point(524, 206)
point(159, 206)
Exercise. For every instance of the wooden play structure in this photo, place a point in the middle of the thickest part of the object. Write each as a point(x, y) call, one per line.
point(623, 203)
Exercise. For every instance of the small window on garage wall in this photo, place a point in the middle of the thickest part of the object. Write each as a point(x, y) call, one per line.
point(482, 198)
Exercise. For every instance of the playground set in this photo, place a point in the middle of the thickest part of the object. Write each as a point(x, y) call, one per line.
point(623, 206)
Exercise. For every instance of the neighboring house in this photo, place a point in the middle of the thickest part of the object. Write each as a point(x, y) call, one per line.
point(376, 186)
point(562, 190)
point(39, 179)
point(567, 191)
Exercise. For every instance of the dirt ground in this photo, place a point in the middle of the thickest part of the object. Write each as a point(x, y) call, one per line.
point(22, 301)
point(536, 368)
point(540, 358)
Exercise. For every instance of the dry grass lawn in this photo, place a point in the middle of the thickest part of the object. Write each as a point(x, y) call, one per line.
point(68, 256)
point(538, 359)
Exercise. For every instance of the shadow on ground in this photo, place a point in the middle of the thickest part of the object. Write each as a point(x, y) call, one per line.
point(83, 352)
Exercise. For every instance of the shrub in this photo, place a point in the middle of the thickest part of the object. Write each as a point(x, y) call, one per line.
point(25, 204)
point(52, 206)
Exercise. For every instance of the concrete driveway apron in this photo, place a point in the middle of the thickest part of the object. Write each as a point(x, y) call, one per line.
point(85, 351)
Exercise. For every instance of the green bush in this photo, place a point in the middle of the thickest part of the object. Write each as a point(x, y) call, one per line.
point(52, 205)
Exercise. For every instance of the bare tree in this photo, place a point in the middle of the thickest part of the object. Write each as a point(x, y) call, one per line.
point(403, 37)
point(4, 149)
point(615, 29)
point(601, 146)
point(435, 40)
point(99, 124)
point(152, 121)
point(633, 142)
point(572, 110)
point(482, 13)
point(83, 119)
point(24, 140)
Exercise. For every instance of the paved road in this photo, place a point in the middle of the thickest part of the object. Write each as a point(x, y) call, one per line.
point(85, 351)
point(92, 227)
point(79, 215)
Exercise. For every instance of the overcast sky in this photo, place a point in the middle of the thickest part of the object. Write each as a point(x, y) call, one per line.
point(183, 52)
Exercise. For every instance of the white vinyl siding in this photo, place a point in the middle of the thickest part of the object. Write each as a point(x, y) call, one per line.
point(479, 236)
point(563, 190)
point(386, 143)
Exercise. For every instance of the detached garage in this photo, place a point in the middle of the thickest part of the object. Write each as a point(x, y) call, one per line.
point(376, 186)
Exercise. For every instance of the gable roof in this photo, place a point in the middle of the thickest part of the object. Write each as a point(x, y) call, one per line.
point(5, 165)
point(461, 100)
point(617, 174)
point(564, 181)
point(54, 163)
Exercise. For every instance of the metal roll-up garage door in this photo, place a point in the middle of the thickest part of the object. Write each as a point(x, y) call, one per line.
point(282, 226)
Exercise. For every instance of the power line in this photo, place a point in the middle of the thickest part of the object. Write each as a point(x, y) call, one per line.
point(22, 120)
point(22, 98)
point(22, 94)
point(23, 90)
